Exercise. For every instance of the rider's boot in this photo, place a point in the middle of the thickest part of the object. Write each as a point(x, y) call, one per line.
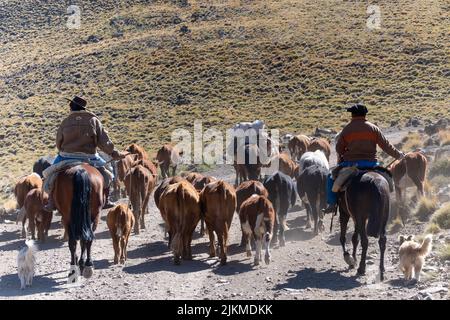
point(108, 203)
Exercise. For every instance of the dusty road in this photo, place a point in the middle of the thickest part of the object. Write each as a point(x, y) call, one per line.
point(307, 268)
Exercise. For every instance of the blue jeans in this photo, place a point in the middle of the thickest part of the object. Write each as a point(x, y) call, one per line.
point(96, 161)
point(332, 196)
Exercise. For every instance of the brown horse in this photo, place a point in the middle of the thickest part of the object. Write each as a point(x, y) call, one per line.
point(366, 200)
point(78, 195)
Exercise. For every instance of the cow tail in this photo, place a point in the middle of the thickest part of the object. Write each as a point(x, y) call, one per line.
point(119, 226)
point(80, 226)
point(177, 240)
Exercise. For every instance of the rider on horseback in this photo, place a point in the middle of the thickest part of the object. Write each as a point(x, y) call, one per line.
point(78, 138)
point(357, 146)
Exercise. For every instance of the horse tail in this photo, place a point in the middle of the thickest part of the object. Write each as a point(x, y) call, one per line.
point(375, 214)
point(80, 226)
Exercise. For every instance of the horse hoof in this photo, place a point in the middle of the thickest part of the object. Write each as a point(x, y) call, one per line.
point(349, 260)
point(361, 272)
point(267, 259)
point(249, 253)
point(88, 271)
point(223, 261)
point(256, 262)
point(177, 261)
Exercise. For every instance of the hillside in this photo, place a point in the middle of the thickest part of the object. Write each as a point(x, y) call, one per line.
point(147, 67)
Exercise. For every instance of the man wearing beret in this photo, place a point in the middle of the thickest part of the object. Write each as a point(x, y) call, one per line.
point(356, 145)
point(78, 138)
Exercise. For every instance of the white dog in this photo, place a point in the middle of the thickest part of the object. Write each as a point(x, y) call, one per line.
point(26, 262)
point(412, 255)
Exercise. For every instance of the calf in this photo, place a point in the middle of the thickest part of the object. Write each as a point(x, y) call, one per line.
point(23, 186)
point(412, 166)
point(282, 195)
point(245, 190)
point(320, 144)
point(257, 218)
point(41, 164)
point(137, 150)
point(180, 204)
point(218, 203)
point(298, 145)
point(34, 204)
point(139, 184)
point(123, 165)
point(285, 164)
point(168, 156)
point(120, 221)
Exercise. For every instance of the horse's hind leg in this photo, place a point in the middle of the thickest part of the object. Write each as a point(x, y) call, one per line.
point(355, 242)
point(89, 266)
point(343, 220)
point(364, 245)
point(73, 260)
point(81, 262)
point(382, 244)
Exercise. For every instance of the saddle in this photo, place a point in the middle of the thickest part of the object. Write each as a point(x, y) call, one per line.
point(342, 176)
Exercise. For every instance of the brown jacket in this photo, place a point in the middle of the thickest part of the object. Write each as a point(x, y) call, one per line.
point(82, 132)
point(359, 140)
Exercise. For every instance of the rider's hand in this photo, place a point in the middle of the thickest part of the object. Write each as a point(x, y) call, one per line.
point(402, 155)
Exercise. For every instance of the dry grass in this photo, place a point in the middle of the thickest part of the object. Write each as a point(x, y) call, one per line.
point(425, 208)
point(294, 63)
point(444, 137)
point(444, 252)
point(440, 168)
point(432, 228)
point(442, 217)
point(395, 226)
point(412, 142)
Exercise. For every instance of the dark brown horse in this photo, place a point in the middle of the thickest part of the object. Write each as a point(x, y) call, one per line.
point(366, 200)
point(78, 195)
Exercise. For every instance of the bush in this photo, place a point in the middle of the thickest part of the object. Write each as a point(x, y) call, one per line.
point(439, 181)
point(444, 138)
point(442, 217)
point(440, 167)
point(432, 228)
point(425, 208)
point(444, 253)
point(412, 142)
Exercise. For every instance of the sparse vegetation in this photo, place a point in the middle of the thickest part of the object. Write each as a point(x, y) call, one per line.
point(444, 252)
point(425, 208)
point(147, 68)
point(442, 217)
point(444, 137)
point(440, 168)
point(395, 226)
point(432, 228)
point(412, 142)
point(439, 181)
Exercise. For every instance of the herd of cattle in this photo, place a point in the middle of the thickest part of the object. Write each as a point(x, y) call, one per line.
point(183, 201)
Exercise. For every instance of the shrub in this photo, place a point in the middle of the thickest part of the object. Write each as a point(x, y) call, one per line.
point(432, 228)
point(444, 253)
point(440, 167)
point(442, 217)
point(425, 208)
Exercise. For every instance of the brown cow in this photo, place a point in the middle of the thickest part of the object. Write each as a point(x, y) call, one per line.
point(120, 221)
point(138, 150)
point(168, 156)
point(286, 164)
point(180, 204)
point(320, 144)
point(25, 185)
point(412, 166)
point(199, 181)
point(139, 183)
point(245, 190)
point(257, 218)
point(298, 145)
point(218, 203)
point(34, 204)
point(123, 165)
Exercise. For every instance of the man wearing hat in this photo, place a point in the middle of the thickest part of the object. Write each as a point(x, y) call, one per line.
point(78, 138)
point(356, 145)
